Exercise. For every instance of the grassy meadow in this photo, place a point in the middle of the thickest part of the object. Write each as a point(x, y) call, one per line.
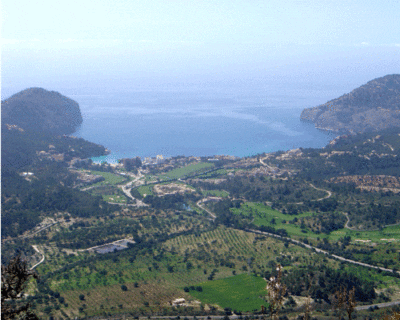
point(110, 178)
point(241, 292)
point(188, 170)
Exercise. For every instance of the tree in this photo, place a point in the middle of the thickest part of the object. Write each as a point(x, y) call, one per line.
point(345, 300)
point(14, 278)
point(276, 292)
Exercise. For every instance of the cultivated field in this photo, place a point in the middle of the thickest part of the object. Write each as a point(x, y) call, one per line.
point(241, 292)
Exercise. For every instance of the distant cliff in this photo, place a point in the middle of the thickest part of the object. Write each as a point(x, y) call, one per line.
point(37, 109)
point(371, 107)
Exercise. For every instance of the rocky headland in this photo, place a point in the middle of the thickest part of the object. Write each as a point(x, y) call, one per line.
point(371, 107)
point(37, 109)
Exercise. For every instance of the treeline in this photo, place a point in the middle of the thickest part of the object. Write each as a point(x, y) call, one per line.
point(50, 190)
point(23, 214)
point(170, 201)
point(261, 188)
point(321, 283)
point(371, 153)
point(378, 214)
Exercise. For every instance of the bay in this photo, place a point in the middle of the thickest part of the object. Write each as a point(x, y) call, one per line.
point(240, 120)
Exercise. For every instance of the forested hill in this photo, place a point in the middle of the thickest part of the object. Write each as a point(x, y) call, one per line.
point(371, 107)
point(35, 121)
point(37, 109)
point(33, 139)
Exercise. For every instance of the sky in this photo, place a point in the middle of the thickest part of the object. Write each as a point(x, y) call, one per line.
point(99, 43)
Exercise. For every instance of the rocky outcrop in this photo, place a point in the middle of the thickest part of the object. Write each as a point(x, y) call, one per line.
point(37, 109)
point(371, 107)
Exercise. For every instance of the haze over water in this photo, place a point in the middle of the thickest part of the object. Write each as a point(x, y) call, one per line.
point(198, 77)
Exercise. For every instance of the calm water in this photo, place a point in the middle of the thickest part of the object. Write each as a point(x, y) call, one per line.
point(200, 120)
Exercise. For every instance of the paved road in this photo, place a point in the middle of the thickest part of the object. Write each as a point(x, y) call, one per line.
point(379, 305)
point(234, 316)
point(126, 190)
point(322, 251)
point(41, 229)
point(299, 242)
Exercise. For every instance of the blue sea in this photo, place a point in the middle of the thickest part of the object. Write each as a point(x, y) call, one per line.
point(201, 120)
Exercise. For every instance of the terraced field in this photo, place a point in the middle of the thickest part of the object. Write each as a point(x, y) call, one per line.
point(245, 250)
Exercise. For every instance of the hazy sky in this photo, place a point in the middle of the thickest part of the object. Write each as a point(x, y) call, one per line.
point(71, 42)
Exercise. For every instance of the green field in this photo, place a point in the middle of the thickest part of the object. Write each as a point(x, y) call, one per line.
point(188, 170)
point(263, 215)
point(388, 234)
point(110, 178)
point(114, 198)
point(242, 292)
point(219, 172)
point(145, 190)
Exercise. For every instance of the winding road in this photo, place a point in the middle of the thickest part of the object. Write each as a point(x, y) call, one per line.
point(42, 260)
point(296, 241)
point(198, 203)
point(322, 251)
point(329, 193)
point(126, 189)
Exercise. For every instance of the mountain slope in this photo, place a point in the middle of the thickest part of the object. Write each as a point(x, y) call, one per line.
point(371, 107)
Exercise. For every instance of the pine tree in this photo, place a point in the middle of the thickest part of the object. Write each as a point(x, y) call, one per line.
point(14, 278)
